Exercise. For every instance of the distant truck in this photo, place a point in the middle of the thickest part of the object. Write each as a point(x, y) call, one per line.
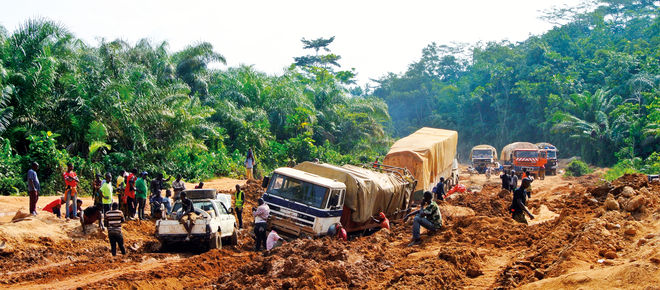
point(482, 157)
point(551, 153)
point(215, 221)
point(311, 197)
point(428, 154)
point(523, 156)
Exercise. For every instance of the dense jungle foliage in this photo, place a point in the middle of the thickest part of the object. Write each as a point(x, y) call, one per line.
point(120, 106)
point(589, 86)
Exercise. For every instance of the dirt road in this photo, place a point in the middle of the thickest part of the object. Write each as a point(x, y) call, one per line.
point(574, 242)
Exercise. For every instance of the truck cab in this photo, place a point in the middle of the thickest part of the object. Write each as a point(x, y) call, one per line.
point(529, 160)
point(302, 203)
point(551, 166)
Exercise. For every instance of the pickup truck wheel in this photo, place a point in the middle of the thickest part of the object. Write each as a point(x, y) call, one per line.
point(233, 240)
point(215, 242)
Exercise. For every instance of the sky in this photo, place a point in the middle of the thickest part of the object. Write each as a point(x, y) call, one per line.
point(374, 37)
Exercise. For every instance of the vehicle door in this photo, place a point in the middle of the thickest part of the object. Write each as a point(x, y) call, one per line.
point(225, 218)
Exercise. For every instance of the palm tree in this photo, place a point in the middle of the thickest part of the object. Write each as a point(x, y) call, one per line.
point(589, 119)
point(191, 64)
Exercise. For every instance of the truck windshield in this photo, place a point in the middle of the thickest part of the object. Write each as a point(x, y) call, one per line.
point(482, 154)
point(527, 154)
point(297, 190)
point(552, 154)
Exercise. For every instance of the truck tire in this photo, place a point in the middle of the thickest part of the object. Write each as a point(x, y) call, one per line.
point(233, 240)
point(215, 242)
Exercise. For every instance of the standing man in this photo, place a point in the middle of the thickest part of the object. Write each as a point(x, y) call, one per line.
point(71, 180)
point(429, 217)
point(141, 194)
point(129, 193)
point(178, 186)
point(439, 189)
point(113, 220)
point(513, 181)
point(249, 164)
point(542, 172)
point(121, 186)
point(106, 192)
point(261, 214)
point(518, 208)
point(33, 187)
point(239, 199)
point(505, 181)
point(96, 190)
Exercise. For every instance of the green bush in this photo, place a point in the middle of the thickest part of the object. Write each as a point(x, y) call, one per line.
point(577, 168)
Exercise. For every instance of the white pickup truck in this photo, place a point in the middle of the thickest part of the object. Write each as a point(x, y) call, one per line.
point(214, 221)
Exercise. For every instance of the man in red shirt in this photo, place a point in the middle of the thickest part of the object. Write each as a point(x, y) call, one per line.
point(71, 193)
point(55, 207)
point(129, 193)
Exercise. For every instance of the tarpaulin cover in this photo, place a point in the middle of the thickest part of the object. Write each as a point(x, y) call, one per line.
point(367, 192)
point(484, 147)
point(508, 149)
point(428, 154)
point(544, 145)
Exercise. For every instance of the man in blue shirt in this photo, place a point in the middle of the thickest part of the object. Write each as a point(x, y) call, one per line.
point(33, 187)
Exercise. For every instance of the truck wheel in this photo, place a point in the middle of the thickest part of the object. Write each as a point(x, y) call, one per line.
point(215, 242)
point(233, 240)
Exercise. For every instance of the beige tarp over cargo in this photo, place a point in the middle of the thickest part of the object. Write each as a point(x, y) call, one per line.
point(428, 154)
point(508, 149)
point(484, 147)
point(367, 192)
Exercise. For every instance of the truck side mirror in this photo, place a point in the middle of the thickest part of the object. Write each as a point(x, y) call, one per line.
point(265, 182)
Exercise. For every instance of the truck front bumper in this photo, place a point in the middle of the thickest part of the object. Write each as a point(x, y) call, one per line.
point(182, 237)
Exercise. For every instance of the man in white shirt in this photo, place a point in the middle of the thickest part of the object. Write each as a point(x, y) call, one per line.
point(261, 214)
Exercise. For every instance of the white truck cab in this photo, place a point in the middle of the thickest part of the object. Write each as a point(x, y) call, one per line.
point(303, 203)
point(214, 221)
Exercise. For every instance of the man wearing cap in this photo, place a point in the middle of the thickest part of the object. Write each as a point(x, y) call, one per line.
point(141, 194)
point(261, 214)
point(428, 217)
point(33, 187)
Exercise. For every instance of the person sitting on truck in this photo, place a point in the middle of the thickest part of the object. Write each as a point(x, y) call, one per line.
point(261, 214)
point(505, 181)
point(513, 183)
point(428, 217)
point(187, 211)
point(273, 241)
point(518, 208)
point(439, 189)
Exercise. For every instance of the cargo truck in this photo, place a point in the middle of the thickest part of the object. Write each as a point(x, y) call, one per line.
point(311, 197)
point(551, 153)
point(428, 154)
point(523, 156)
point(482, 157)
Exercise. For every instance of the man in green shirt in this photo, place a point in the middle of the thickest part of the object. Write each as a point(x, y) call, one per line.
point(106, 193)
point(428, 217)
point(141, 194)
